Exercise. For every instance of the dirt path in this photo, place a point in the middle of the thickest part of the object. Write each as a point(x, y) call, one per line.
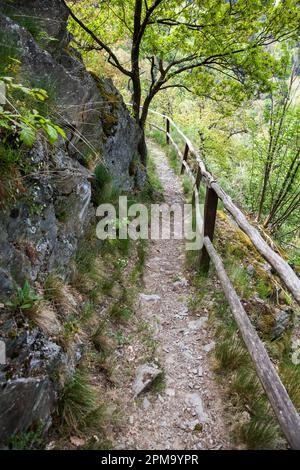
point(187, 413)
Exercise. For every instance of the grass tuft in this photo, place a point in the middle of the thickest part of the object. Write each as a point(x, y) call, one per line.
point(290, 375)
point(230, 353)
point(102, 186)
point(59, 293)
point(259, 433)
point(79, 407)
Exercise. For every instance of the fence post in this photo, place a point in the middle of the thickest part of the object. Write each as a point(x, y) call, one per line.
point(167, 130)
point(197, 183)
point(185, 155)
point(210, 213)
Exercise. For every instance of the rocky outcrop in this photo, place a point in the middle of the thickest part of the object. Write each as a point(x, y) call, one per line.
point(41, 229)
point(40, 232)
point(37, 393)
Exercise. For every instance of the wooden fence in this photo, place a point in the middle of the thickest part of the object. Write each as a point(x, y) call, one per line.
point(287, 415)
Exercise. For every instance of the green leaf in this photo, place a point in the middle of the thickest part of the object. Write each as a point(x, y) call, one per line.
point(5, 124)
point(51, 133)
point(28, 135)
point(26, 306)
point(39, 94)
point(60, 131)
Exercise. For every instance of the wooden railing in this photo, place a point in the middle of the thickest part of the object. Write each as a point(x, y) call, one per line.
point(287, 415)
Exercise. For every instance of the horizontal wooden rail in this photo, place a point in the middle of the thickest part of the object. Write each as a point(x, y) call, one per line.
point(285, 272)
point(282, 405)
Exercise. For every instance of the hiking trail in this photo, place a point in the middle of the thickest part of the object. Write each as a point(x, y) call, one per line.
point(188, 412)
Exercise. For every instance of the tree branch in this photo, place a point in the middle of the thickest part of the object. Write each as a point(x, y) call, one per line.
point(104, 46)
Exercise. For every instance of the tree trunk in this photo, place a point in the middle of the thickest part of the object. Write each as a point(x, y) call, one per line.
point(135, 66)
point(142, 123)
point(142, 147)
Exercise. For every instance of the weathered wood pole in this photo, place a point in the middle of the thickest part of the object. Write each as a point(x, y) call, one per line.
point(185, 156)
point(287, 415)
point(167, 130)
point(210, 214)
point(197, 183)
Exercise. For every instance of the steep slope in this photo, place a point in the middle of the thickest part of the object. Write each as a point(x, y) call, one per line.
point(41, 227)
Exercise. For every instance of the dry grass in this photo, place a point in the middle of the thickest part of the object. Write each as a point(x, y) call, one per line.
point(45, 316)
point(60, 294)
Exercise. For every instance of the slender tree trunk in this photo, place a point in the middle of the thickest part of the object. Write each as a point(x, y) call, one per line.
point(136, 80)
point(145, 110)
point(285, 188)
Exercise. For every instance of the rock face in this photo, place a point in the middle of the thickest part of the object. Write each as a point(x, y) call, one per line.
point(40, 231)
point(23, 393)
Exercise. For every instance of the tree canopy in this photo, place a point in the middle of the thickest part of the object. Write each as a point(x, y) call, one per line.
point(210, 47)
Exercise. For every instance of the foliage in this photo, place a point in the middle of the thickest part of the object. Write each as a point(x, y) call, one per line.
point(275, 177)
point(103, 189)
point(26, 440)
point(235, 143)
point(25, 124)
point(23, 299)
point(211, 48)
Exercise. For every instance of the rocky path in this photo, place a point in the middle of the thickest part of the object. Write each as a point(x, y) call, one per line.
point(187, 413)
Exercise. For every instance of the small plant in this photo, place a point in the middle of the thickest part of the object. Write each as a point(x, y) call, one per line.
point(259, 433)
point(142, 249)
point(106, 286)
point(79, 407)
point(102, 186)
point(102, 175)
point(173, 159)
point(159, 384)
point(241, 281)
point(120, 312)
point(121, 263)
point(24, 124)
point(121, 339)
point(290, 375)
point(100, 338)
point(230, 353)
point(154, 181)
point(187, 186)
point(87, 311)
point(264, 290)
point(71, 328)
point(24, 298)
point(26, 440)
point(246, 383)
